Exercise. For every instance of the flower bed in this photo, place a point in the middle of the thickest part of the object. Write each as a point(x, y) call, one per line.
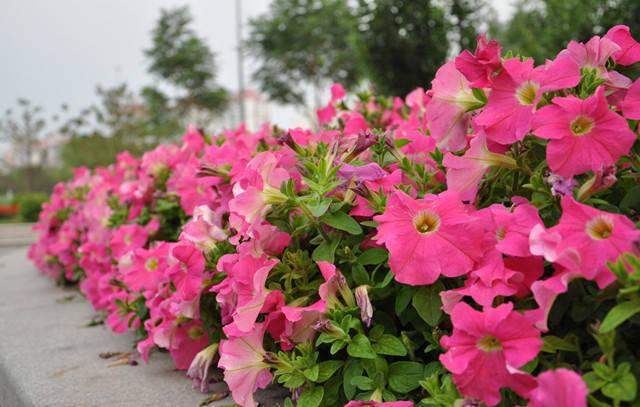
point(470, 244)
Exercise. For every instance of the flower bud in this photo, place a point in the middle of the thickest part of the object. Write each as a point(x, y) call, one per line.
point(560, 185)
point(601, 180)
point(324, 326)
point(199, 369)
point(362, 299)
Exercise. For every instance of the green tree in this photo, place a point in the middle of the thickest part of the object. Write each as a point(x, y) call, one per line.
point(403, 43)
point(542, 28)
point(118, 122)
point(22, 134)
point(182, 60)
point(302, 46)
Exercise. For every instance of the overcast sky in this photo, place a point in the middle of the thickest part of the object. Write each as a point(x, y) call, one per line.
point(57, 51)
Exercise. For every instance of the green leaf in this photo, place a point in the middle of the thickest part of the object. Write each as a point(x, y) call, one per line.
point(631, 199)
point(312, 373)
point(351, 369)
point(593, 381)
point(375, 256)
point(603, 371)
point(624, 388)
point(405, 376)
point(618, 315)
point(360, 347)
point(319, 208)
point(359, 274)
point(294, 381)
point(327, 369)
point(389, 345)
point(401, 142)
point(311, 397)
point(342, 221)
point(553, 344)
point(427, 303)
point(337, 345)
point(403, 298)
point(363, 383)
point(325, 251)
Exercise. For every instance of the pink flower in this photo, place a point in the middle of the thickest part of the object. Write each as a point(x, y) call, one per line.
point(245, 370)
point(337, 92)
point(631, 103)
point(559, 388)
point(127, 238)
point(479, 68)
point(204, 229)
point(515, 93)
point(584, 134)
point(584, 240)
point(629, 48)
point(447, 110)
point(428, 237)
point(486, 348)
point(465, 172)
point(326, 114)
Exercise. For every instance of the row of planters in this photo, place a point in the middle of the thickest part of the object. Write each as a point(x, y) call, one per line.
point(23, 208)
point(475, 244)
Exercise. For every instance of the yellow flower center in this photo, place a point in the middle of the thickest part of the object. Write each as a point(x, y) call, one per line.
point(581, 125)
point(501, 233)
point(195, 332)
point(489, 343)
point(426, 222)
point(526, 93)
point(600, 227)
point(151, 264)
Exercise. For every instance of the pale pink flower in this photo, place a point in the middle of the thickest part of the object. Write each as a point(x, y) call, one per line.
point(447, 110)
point(245, 370)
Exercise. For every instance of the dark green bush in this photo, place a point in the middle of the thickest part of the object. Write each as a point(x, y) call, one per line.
point(30, 204)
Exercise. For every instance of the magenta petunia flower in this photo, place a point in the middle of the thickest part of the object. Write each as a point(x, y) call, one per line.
point(480, 67)
point(486, 348)
point(429, 237)
point(584, 240)
point(584, 134)
point(515, 93)
point(559, 388)
point(629, 48)
point(631, 103)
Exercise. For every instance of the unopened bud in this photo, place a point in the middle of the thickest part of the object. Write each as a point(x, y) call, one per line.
point(391, 146)
point(326, 327)
point(288, 140)
point(601, 180)
point(560, 185)
point(208, 170)
point(362, 299)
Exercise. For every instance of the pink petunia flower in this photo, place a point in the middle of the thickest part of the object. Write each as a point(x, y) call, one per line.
point(245, 370)
point(629, 48)
point(584, 240)
point(559, 388)
point(447, 110)
point(583, 134)
point(515, 93)
point(429, 237)
point(631, 104)
point(486, 348)
point(480, 67)
point(465, 172)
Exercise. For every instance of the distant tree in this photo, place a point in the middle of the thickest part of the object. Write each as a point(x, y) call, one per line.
point(542, 28)
point(302, 46)
point(119, 122)
point(185, 62)
point(23, 133)
point(468, 18)
point(404, 42)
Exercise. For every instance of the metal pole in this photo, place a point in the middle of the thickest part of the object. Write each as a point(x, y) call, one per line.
point(240, 62)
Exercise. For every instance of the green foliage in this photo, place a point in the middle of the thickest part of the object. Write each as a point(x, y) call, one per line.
point(541, 28)
point(30, 205)
point(403, 43)
point(300, 42)
point(184, 61)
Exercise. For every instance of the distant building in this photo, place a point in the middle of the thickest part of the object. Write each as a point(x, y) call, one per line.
point(44, 153)
point(256, 112)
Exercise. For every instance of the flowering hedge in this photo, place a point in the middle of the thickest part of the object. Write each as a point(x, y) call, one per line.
point(472, 244)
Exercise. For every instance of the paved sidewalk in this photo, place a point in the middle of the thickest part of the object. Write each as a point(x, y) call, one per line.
point(13, 235)
point(49, 358)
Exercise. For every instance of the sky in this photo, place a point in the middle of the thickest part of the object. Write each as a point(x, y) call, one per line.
point(57, 51)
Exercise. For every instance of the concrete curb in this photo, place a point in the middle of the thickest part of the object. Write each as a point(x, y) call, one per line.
point(49, 358)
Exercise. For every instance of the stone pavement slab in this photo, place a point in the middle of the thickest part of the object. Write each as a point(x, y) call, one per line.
point(49, 358)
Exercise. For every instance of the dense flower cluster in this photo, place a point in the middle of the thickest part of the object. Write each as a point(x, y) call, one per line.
point(451, 247)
